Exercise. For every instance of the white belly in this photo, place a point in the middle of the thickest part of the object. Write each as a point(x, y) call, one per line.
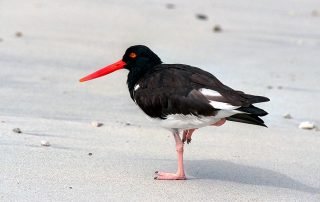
point(180, 121)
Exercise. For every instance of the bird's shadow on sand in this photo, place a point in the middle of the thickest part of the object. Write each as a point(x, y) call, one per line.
point(228, 171)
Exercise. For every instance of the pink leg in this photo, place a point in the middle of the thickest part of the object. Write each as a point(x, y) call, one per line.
point(179, 175)
point(188, 133)
point(219, 123)
point(184, 136)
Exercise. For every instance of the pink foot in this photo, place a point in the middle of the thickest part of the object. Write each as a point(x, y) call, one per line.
point(187, 135)
point(169, 176)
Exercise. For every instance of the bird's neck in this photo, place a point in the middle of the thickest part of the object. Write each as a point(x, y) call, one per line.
point(137, 71)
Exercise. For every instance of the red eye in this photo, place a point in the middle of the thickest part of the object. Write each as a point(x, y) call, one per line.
point(132, 55)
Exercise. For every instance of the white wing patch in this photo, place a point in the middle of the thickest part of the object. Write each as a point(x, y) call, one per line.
point(209, 92)
point(136, 87)
point(222, 105)
point(217, 104)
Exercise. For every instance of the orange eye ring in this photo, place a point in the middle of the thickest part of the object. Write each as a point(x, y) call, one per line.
point(132, 55)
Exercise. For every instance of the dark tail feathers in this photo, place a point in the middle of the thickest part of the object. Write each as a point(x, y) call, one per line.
point(253, 110)
point(250, 113)
point(254, 98)
point(247, 118)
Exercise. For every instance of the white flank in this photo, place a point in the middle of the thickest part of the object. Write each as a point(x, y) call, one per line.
point(180, 121)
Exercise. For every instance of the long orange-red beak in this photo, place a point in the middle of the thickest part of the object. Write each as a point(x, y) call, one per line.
point(104, 71)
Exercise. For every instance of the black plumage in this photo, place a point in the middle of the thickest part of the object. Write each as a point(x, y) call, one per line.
point(174, 89)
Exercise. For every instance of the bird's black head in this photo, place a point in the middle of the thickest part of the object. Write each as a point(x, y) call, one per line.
point(139, 56)
point(139, 60)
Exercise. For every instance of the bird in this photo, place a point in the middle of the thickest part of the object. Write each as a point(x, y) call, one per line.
point(181, 98)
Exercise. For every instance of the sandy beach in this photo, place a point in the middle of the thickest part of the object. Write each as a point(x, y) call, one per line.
point(269, 48)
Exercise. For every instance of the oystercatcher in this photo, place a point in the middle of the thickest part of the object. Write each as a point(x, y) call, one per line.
point(181, 98)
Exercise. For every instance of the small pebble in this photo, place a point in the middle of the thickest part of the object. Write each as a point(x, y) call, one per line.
point(307, 125)
point(280, 87)
point(18, 34)
point(315, 13)
point(17, 130)
point(287, 116)
point(96, 124)
point(70, 187)
point(90, 154)
point(170, 6)
point(269, 87)
point(45, 143)
point(127, 124)
point(217, 28)
point(201, 17)
point(292, 13)
point(300, 42)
